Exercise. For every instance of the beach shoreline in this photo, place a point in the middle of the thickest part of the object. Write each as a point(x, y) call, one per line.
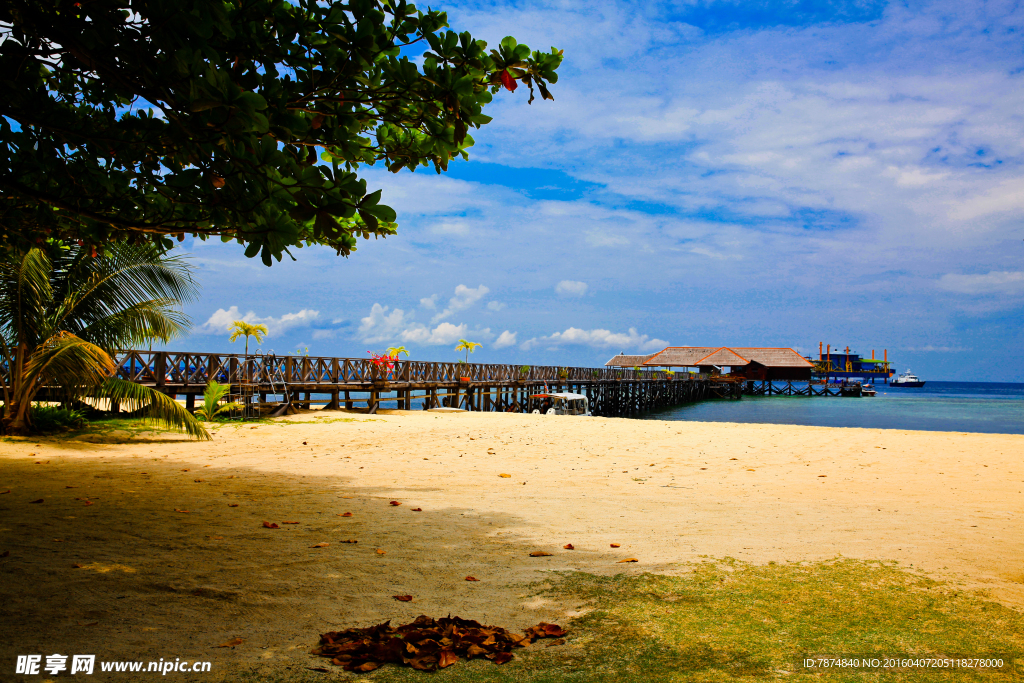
point(174, 558)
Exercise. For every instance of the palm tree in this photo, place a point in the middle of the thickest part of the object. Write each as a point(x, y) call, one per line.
point(467, 346)
point(396, 351)
point(241, 328)
point(63, 313)
point(215, 391)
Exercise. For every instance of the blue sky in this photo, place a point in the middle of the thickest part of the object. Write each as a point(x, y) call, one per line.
point(710, 173)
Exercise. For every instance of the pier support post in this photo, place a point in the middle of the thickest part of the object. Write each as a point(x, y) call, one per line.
point(333, 405)
point(190, 403)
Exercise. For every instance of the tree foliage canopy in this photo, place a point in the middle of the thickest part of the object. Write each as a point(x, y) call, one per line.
point(143, 119)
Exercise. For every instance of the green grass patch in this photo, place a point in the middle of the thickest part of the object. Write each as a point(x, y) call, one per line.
point(731, 621)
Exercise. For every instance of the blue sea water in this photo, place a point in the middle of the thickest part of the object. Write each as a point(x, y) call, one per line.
point(986, 407)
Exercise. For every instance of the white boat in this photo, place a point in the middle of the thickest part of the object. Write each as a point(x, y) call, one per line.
point(907, 379)
point(559, 404)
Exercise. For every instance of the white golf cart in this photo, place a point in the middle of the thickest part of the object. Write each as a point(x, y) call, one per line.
point(559, 404)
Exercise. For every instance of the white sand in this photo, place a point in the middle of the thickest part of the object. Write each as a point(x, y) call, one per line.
point(159, 583)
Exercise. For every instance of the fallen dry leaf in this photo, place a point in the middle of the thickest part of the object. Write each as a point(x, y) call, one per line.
point(395, 502)
point(559, 641)
point(88, 623)
point(320, 545)
point(822, 475)
point(417, 509)
point(425, 644)
point(185, 470)
point(381, 551)
point(216, 538)
point(505, 476)
point(351, 540)
point(402, 598)
point(304, 443)
point(289, 522)
point(8, 491)
point(270, 525)
point(88, 502)
point(345, 514)
point(36, 501)
point(569, 546)
point(628, 559)
point(182, 511)
point(67, 487)
point(750, 470)
point(232, 643)
point(539, 553)
point(614, 545)
point(232, 505)
point(199, 481)
point(472, 578)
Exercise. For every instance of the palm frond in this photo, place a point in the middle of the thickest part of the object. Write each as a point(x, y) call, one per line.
point(25, 297)
point(158, 406)
point(127, 278)
point(69, 361)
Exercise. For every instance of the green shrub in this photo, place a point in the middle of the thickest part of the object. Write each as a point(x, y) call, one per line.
point(52, 419)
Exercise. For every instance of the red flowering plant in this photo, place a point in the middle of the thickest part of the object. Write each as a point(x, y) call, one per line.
point(383, 365)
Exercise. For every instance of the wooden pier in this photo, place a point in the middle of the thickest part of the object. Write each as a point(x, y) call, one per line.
point(282, 384)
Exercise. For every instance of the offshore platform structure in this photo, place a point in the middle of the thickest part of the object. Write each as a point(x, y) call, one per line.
point(846, 366)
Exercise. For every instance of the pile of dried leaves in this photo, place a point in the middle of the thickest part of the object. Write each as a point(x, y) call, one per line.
point(426, 644)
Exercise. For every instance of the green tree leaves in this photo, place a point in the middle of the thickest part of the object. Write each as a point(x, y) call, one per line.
point(211, 117)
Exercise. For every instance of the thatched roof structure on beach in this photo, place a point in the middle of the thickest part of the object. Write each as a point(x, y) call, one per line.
point(624, 361)
point(730, 356)
point(680, 356)
point(753, 362)
point(773, 357)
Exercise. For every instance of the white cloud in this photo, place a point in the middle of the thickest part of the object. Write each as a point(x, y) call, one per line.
point(383, 326)
point(463, 299)
point(221, 320)
point(571, 288)
point(495, 305)
point(506, 338)
point(429, 302)
point(601, 339)
point(445, 333)
point(397, 325)
point(995, 282)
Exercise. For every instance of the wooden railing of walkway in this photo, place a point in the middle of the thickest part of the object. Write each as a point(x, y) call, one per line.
point(475, 386)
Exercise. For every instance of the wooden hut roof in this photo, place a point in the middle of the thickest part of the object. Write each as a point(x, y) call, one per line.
point(693, 356)
point(680, 356)
point(625, 361)
point(723, 356)
point(774, 357)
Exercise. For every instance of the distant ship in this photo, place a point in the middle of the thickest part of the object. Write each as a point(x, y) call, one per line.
point(907, 379)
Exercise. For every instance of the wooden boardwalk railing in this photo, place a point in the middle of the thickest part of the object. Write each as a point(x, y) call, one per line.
point(479, 386)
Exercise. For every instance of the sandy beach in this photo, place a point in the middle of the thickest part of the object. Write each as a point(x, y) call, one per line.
point(156, 547)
